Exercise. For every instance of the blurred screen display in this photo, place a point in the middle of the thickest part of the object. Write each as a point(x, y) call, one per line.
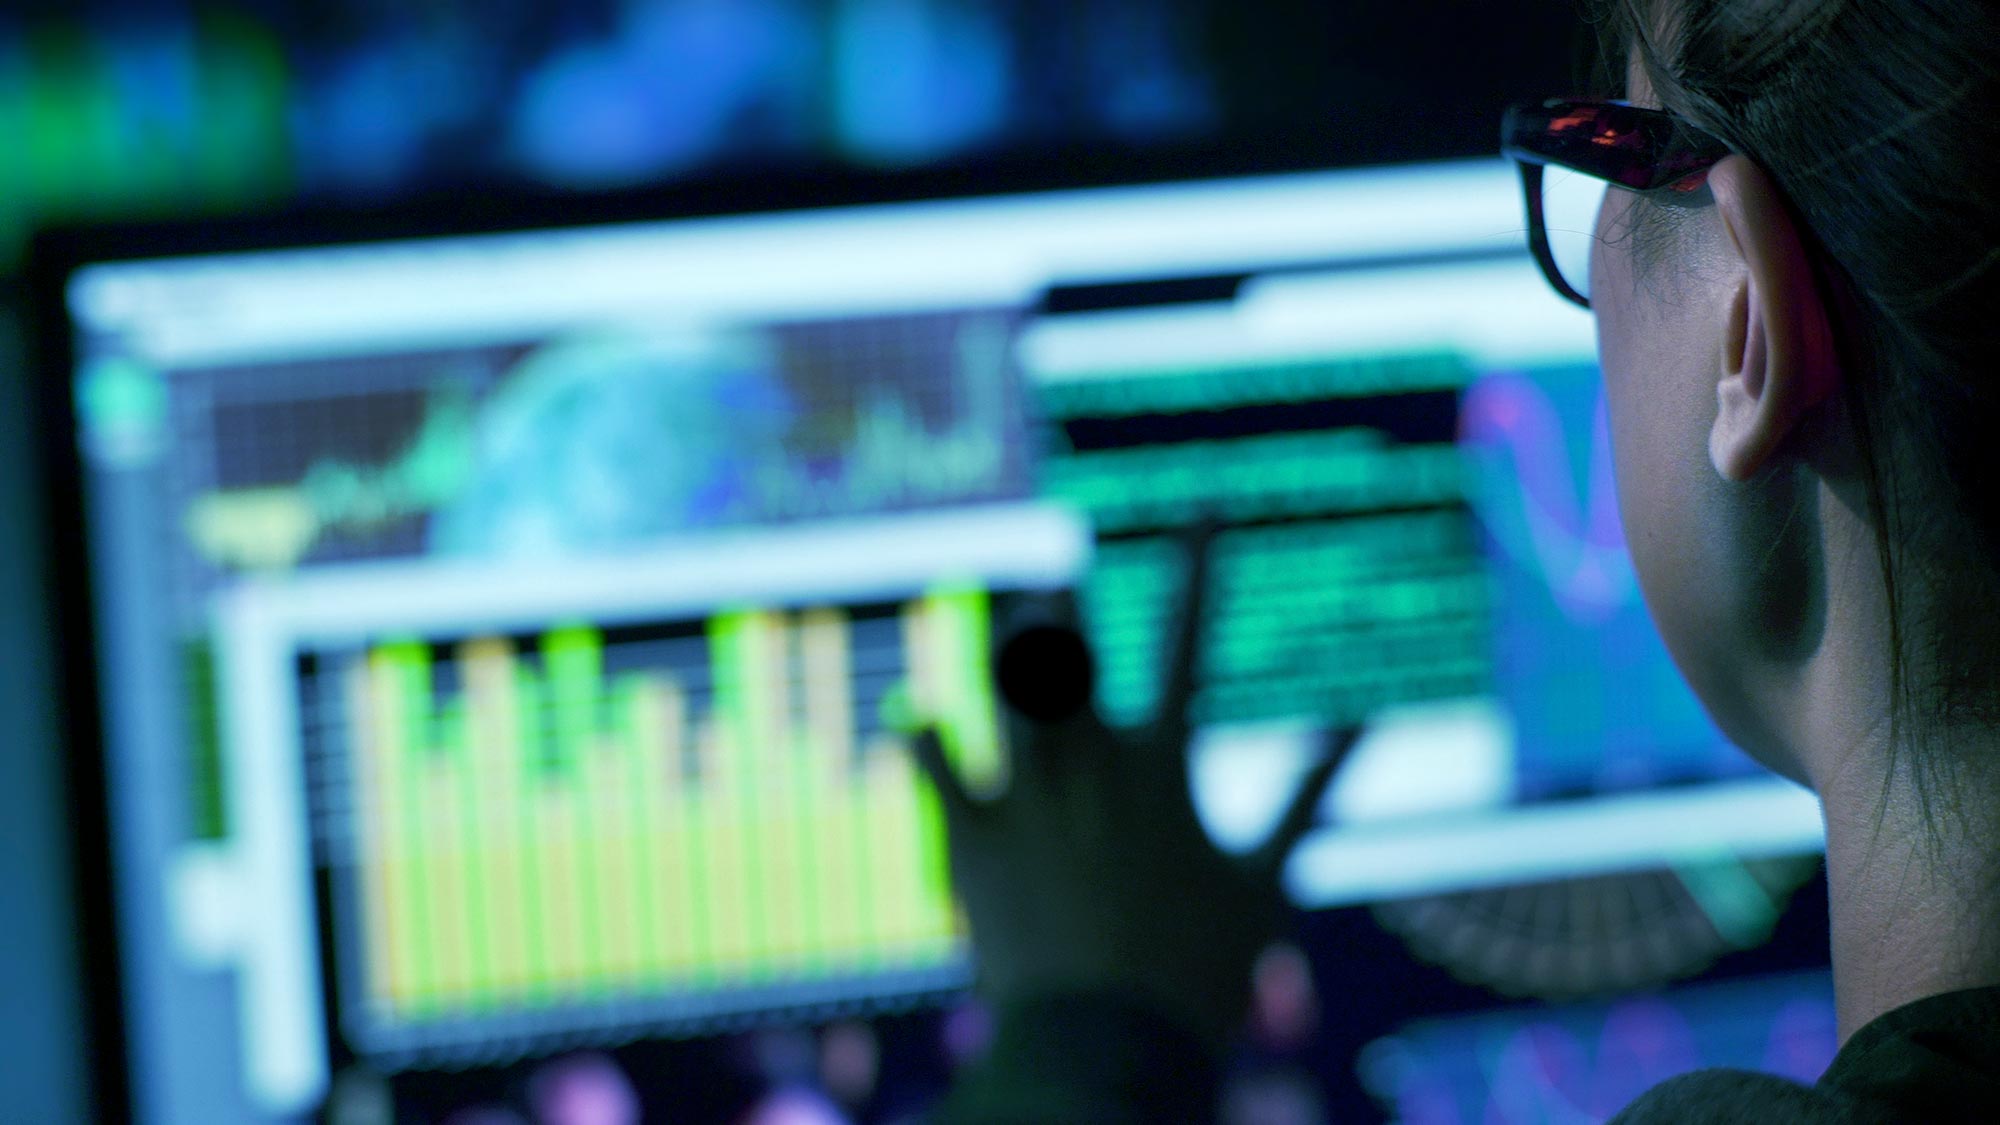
point(1410, 467)
point(133, 108)
point(1587, 1062)
point(507, 639)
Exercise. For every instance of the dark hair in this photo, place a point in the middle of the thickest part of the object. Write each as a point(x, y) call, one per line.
point(1876, 120)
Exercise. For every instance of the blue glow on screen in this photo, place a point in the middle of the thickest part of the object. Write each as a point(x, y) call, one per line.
point(1584, 1063)
point(179, 111)
point(1578, 660)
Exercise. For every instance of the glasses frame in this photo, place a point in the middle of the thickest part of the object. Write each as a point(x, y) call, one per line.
point(1647, 151)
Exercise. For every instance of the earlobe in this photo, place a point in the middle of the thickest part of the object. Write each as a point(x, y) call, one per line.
point(1777, 356)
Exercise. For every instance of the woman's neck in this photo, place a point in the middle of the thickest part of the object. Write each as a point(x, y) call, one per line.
point(1910, 876)
point(1912, 842)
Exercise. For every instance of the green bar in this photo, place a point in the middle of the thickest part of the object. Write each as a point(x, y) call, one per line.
point(532, 727)
point(700, 836)
point(860, 846)
point(209, 811)
point(405, 677)
point(619, 852)
point(531, 701)
point(456, 739)
point(963, 617)
point(641, 746)
point(821, 871)
point(762, 792)
point(809, 833)
point(573, 658)
point(934, 862)
point(734, 653)
point(834, 876)
point(494, 794)
point(919, 903)
point(961, 623)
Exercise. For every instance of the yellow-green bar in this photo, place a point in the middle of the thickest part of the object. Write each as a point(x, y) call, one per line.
point(614, 847)
point(826, 799)
point(874, 788)
point(549, 824)
point(542, 839)
point(573, 658)
point(737, 661)
point(961, 632)
point(490, 672)
point(384, 899)
point(782, 814)
point(651, 717)
point(400, 675)
point(960, 627)
point(457, 919)
point(767, 703)
point(483, 896)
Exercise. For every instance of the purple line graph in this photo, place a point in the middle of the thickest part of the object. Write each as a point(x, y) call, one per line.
point(1532, 503)
point(1578, 662)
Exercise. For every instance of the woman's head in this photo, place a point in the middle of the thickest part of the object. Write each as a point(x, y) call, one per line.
point(1818, 327)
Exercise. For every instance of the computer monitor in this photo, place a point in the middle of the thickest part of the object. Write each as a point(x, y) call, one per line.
point(503, 641)
point(1410, 460)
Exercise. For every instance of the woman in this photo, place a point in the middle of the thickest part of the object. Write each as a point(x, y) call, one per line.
point(1795, 287)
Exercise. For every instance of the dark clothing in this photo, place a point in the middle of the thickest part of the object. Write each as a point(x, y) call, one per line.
point(1934, 1060)
point(1087, 1057)
point(1103, 1060)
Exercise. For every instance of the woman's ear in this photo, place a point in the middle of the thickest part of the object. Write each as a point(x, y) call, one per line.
point(1778, 360)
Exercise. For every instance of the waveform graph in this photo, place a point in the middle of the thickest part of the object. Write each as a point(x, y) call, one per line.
point(1562, 524)
point(897, 414)
point(321, 461)
point(684, 816)
point(625, 435)
point(595, 439)
point(1597, 700)
point(1598, 713)
point(276, 527)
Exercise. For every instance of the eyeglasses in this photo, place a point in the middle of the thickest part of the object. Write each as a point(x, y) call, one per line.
point(1572, 153)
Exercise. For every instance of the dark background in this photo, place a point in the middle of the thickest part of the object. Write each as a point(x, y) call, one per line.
point(146, 109)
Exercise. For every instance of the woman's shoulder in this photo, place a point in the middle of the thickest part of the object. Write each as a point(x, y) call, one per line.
point(1715, 1097)
point(1937, 1059)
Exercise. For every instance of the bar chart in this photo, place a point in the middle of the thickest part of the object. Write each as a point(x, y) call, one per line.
point(605, 815)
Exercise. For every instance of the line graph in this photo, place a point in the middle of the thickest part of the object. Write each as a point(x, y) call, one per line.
point(605, 438)
point(275, 527)
point(1597, 709)
point(1598, 703)
point(610, 440)
point(1567, 531)
point(879, 451)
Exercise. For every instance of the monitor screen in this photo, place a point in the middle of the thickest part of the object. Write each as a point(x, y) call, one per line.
point(1410, 463)
point(506, 642)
